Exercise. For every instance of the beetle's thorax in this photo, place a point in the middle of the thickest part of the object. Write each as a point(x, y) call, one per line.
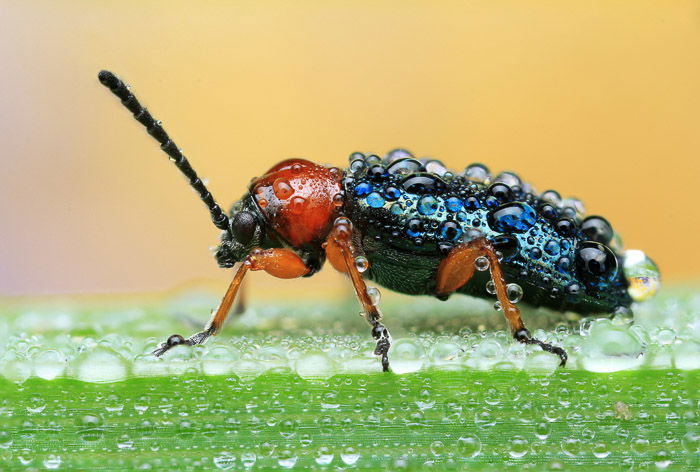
point(300, 200)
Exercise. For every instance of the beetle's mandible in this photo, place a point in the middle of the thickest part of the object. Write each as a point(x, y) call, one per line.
point(415, 227)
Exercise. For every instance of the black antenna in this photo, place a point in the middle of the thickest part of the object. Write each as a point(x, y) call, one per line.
point(155, 129)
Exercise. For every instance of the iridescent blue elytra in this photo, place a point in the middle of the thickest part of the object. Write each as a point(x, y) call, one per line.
point(411, 218)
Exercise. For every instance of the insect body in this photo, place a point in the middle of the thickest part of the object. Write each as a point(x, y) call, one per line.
point(415, 227)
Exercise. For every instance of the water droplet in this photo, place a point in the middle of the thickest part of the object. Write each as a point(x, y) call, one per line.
point(491, 287)
point(478, 173)
point(49, 364)
point(405, 166)
point(324, 455)
point(427, 205)
point(357, 165)
point(396, 209)
point(363, 189)
point(225, 461)
point(514, 217)
point(282, 189)
point(597, 228)
point(552, 248)
point(450, 231)
point(508, 178)
point(519, 447)
point(481, 263)
point(422, 184)
point(248, 459)
point(601, 450)
point(595, 262)
point(287, 459)
point(374, 295)
point(361, 263)
point(642, 275)
point(297, 205)
point(375, 200)
point(453, 204)
point(468, 446)
point(349, 455)
point(414, 227)
point(437, 448)
point(99, 365)
point(391, 193)
point(52, 461)
point(515, 293)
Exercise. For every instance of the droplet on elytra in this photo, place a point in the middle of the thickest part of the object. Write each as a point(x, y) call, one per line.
point(516, 217)
point(478, 173)
point(427, 205)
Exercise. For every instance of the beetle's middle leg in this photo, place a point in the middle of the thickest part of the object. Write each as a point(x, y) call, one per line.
point(457, 269)
point(280, 263)
point(341, 254)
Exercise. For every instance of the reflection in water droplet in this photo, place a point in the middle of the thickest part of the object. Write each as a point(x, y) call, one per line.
point(283, 190)
point(297, 205)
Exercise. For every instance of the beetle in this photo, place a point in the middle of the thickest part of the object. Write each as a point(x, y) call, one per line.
point(415, 227)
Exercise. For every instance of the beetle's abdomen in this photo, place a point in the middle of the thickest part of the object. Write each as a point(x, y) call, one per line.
point(418, 208)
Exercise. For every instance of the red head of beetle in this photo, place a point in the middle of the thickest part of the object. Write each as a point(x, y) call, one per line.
point(300, 200)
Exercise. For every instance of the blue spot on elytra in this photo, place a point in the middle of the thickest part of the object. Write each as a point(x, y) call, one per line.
point(363, 189)
point(427, 205)
point(375, 200)
point(515, 217)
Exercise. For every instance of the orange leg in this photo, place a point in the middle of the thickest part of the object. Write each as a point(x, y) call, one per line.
point(280, 263)
point(458, 268)
point(342, 255)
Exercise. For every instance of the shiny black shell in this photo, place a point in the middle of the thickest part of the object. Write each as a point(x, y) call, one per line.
point(410, 213)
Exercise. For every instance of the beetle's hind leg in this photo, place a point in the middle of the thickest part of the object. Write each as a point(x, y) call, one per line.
point(457, 269)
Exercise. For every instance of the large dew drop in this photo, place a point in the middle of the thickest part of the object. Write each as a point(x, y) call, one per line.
point(516, 217)
point(642, 275)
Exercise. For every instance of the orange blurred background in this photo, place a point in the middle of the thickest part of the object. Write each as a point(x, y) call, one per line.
point(597, 99)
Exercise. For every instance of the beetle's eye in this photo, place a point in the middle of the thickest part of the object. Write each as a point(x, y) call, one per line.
point(595, 262)
point(243, 226)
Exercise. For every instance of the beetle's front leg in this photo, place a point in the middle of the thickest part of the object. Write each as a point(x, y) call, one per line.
point(280, 263)
point(458, 268)
point(341, 254)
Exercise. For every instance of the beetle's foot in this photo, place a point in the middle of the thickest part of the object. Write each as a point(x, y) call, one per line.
point(381, 334)
point(524, 336)
point(176, 340)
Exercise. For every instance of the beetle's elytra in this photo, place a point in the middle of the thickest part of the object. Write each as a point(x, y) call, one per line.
point(413, 226)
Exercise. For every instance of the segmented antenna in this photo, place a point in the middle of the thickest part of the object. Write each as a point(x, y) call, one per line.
point(155, 129)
